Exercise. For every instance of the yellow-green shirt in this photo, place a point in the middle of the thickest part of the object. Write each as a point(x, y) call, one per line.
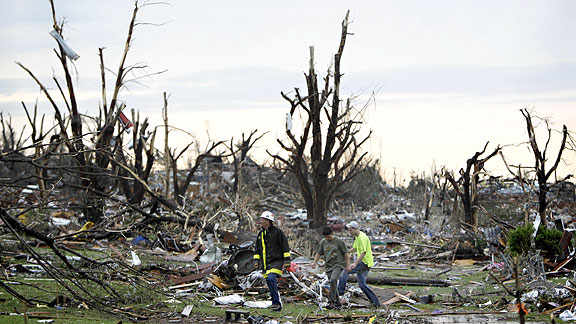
point(362, 244)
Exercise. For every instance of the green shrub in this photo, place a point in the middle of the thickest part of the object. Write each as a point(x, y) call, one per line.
point(519, 239)
point(481, 244)
point(548, 240)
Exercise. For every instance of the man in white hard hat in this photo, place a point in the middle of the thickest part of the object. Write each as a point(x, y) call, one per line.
point(271, 255)
point(361, 266)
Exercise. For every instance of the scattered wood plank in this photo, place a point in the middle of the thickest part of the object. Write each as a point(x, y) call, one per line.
point(405, 281)
point(573, 290)
point(187, 310)
point(454, 313)
point(443, 272)
point(193, 253)
point(217, 281)
point(557, 308)
point(562, 264)
point(314, 318)
point(405, 298)
point(436, 256)
point(455, 250)
point(396, 298)
point(464, 262)
point(389, 268)
point(415, 244)
point(184, 286)
point(192, 277)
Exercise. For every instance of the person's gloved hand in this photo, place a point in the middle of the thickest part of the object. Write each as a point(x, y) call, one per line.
point(256, 265)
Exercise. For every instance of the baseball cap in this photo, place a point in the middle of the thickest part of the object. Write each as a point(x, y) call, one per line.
point(353, 224)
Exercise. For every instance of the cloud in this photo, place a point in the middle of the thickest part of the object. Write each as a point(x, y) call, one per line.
point(256, 86)
point(471, 80)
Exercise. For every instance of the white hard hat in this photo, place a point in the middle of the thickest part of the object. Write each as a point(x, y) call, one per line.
point(267, 215)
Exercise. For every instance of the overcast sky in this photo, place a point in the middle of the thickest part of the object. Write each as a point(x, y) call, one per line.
point(450, 75)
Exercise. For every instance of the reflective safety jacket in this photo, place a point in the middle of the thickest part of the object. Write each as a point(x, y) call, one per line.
point(272, 250)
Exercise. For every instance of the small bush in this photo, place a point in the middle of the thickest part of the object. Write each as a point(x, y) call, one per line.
point(519, 239)
point(548, 240)
point(481, 244)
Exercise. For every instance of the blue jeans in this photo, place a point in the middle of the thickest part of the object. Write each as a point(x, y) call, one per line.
point(361, 272)
point(273, 287)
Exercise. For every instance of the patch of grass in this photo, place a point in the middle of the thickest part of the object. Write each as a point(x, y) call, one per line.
point(288, 309)
point(476, 288)
point(457, 276)
point(138, 297)
point(60, 315)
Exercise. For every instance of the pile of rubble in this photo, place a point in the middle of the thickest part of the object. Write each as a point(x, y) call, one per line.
point(215, 268)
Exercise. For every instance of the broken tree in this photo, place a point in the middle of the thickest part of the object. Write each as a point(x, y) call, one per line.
point(540, 159)
point(334, 157)
point(91, 163)
point(467, 185)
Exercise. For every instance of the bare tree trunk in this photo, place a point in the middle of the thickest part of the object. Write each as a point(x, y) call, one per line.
point(334, 156)
point(180, 188)
point(429, 202)
point(37, 138)
point(540, 159)
point(466, 186)
point(167, 159)
point(519, 292)
point(239, 156)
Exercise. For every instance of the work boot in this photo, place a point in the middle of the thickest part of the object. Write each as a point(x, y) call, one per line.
point(276, 307)
point(335, 306)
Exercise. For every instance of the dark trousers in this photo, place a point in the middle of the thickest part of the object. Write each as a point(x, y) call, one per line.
point(333, 276)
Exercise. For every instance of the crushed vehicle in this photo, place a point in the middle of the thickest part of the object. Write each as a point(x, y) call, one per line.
point(399, 215)
point(336, 224)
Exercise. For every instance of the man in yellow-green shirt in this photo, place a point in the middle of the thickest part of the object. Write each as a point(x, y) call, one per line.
point(361, 266)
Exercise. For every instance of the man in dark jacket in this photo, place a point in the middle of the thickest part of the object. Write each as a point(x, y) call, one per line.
point(272, 254)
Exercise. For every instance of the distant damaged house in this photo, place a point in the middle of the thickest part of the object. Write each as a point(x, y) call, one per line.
point(216, 174)
point(565, 191)
point(498, 188)
point(494, 188)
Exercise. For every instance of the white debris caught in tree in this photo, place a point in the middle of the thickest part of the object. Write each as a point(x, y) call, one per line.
point(67, 50)
point(288, 122)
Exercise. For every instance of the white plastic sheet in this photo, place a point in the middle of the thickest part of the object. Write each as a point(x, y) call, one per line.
point(67, 50)
point(567, 315)
point(59, 221)
point(258, 304)
point(213, 254)
point(135, 259)
point(229, 300)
